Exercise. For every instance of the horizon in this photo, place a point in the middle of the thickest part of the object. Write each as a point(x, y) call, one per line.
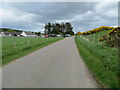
point(43, 32)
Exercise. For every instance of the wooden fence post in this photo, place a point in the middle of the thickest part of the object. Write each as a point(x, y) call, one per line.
point(93, 39)
point(14, 45)
point(87, 39)
point(98, 38)
point(28, 42)
point(21, 43)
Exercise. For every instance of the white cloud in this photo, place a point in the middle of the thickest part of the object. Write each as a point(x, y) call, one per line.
point(67, 20)
point(83, 16)
point(107, 8)
point(12, 17)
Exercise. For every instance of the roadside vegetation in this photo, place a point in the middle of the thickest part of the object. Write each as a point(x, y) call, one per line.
point(16, 47)
point(100, 56)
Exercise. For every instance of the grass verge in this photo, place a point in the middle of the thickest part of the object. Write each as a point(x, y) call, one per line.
point(101, 61)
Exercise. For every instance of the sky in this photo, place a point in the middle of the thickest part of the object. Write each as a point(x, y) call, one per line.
point(32, 16)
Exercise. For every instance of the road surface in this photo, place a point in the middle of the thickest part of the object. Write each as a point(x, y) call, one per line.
point(55, 66)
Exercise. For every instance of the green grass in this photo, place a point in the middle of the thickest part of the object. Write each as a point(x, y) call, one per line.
point(16, 47)
point(96, 36)
point(102, 61)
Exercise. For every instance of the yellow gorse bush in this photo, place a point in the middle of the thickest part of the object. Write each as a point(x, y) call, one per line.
point(101, 39)
point(115, 31)
point(102, 28)
point(79, 33)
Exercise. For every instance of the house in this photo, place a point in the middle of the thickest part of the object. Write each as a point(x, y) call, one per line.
point(31, 34)
point(2, 34)
point(23, 34)
point(28, 34)
point(12, 33)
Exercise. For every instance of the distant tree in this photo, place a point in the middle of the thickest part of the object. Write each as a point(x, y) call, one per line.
point(38, 33)
point(46, 28)
point(58, 28)
point(49, 28)
point(78, 33)
point(69, 28)
point(63, 28)
point(53, 29)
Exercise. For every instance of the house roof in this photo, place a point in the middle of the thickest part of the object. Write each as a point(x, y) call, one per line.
point(1, 33)
point(16, 33)
point(12, 33)
point(30, 33)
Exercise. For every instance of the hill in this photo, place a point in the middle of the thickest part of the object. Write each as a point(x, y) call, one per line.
point(9, 30)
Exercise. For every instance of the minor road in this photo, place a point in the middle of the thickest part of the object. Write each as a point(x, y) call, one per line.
point(55, 66)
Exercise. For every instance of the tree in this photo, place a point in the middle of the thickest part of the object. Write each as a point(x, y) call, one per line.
point(38, 33)
point(79, 33)
point(48, 28)
point(69, 28)
point(62, 27)
point(59, 28)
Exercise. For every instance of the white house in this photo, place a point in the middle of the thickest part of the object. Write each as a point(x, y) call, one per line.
point(23, 34)
point(27, 34)
point(2, 34)
point(12, 33)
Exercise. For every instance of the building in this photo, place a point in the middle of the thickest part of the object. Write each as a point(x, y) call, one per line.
point(12, 33)
point(25, 34)
point(2, 34)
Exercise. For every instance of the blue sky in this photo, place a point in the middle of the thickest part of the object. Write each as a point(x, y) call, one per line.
point(31, 16)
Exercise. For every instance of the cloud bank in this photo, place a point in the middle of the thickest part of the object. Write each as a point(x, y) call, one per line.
point(32, 16)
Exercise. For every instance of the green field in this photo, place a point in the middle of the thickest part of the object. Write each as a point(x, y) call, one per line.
point(101, 60)
point(16, 47)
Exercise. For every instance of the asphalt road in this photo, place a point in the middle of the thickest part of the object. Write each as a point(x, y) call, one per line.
point(55, 66)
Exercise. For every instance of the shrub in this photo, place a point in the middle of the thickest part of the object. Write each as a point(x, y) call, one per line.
point(97, 30)
point(101, 39)
point(114, 37)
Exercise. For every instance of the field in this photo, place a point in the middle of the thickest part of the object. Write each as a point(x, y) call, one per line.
point(16, 47)
point(100, 59)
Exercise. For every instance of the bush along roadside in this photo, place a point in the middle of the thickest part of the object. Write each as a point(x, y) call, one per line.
point(101, 61)
point(112, 39)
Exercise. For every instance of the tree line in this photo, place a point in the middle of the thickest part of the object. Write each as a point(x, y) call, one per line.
point(56, 28)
